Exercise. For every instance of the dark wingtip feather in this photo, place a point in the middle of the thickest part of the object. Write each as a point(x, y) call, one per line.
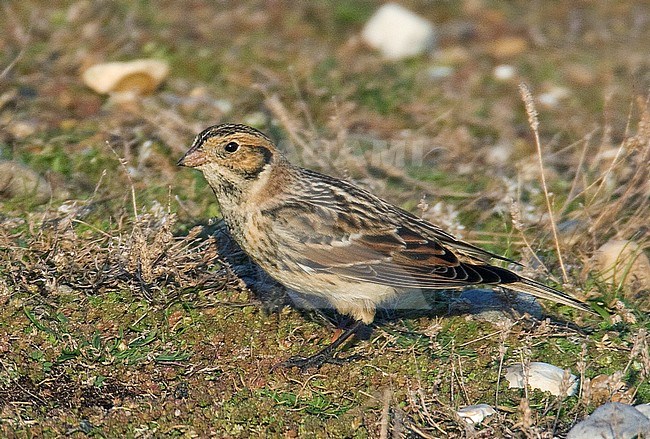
point(542, 291)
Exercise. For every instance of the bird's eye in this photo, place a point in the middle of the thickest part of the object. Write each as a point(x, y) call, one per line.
point(231, 147)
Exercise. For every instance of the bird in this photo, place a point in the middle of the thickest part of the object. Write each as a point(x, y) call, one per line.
point(326, 237)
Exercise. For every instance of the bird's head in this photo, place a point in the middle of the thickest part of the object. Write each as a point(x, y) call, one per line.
point(236, 153)
point(236, 160)
point(241, 165)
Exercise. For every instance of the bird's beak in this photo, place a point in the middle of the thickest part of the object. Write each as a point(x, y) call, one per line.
point(193, 158)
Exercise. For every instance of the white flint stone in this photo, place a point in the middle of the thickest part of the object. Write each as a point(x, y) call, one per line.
point(439, 72)
point(623, 262)
point(552, 98)
point(613, 420)
point(18, 181)
point(475, 414)
point(500, 153)
point(644, 408)
point(139, 76)
point(398, 33)
point(542, 376)
point(504, 72)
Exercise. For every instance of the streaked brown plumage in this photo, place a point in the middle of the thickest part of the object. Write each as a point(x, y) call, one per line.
point(326, 237)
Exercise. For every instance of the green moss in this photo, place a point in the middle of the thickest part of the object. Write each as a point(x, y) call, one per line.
point(352, 13)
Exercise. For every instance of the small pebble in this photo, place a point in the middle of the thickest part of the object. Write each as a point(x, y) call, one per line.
point(398, 33)
point(542, 376)
point(475, 414)
point(137, 77)
point(504, 72)
point(439, 72)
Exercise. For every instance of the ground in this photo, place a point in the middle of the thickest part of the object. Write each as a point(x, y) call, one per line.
point(127, 312)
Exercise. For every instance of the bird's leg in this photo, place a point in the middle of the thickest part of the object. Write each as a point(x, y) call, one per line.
point(325, 355)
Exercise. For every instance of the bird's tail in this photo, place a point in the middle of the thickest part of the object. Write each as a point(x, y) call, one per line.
point(542, 291)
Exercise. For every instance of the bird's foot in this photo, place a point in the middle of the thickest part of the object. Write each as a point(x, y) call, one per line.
point(325, 355)
point(314, 361)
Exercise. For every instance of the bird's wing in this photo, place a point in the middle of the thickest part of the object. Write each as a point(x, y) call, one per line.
point(463, 248)
point(414, 261)
point(333, 194)
point(364, 246)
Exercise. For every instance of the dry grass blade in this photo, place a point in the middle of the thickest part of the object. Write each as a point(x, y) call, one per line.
point(534, 125)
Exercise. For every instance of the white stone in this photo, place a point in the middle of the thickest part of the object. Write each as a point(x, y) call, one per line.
point(613, 420)
point(500, 153)
point(622, 262)
point(439, 72)
point(543, 376)
point(644, 408)
point(475, 414)
point(18, 181)
point(504, 72)
point(136, 77)
point(553, 97)
point(398, 33)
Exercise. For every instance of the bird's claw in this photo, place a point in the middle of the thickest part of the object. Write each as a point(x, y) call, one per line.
point(314, 361)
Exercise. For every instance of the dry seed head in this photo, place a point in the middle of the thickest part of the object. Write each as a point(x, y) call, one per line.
point(530, 106)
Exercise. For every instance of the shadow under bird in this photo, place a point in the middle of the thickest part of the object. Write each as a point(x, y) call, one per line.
point(326, 237)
